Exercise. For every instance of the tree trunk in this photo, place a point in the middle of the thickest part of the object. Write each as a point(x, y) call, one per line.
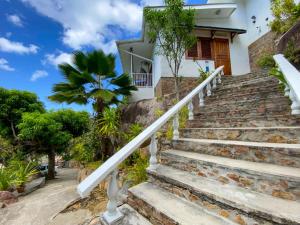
point(51, 164)
point(177, 89)
point(99, 106)
point(13, 130)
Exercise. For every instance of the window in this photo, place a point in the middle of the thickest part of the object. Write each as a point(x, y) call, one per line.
point(205, 49)
point(201, 50)
point(193, 51)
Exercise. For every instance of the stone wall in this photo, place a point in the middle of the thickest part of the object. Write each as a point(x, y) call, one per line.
point(292, 35)
point(264, 45)
point(166, 85)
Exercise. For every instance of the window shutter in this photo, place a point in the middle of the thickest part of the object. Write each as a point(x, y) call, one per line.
point(193, 51)
point(206, 49)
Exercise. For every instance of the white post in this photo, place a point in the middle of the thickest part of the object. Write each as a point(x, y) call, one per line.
point(215, 83)
point(220, 78)
point(176, 127)
point(296, 103)
point(286, 90)
point(112, 214)
point(201, 99)
point(131, 62)
point(191, 108)
point(153, 152)
point(208, 89)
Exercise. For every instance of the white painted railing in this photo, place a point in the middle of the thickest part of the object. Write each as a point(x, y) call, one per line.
point(109, 168)
point(292, 77)
point(142, 79)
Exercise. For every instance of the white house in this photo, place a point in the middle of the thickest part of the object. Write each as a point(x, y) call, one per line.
point(224, 28)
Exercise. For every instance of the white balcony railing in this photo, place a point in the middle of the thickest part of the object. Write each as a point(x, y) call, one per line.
point(109, 168)
point(141, 80)
point(292, 77)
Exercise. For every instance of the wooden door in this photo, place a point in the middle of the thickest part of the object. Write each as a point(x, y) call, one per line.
point(222, 54)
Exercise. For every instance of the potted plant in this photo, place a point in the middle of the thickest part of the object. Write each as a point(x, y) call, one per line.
point(22, 173)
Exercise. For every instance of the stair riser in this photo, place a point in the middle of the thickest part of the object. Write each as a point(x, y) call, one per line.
point(154, 216)
point(276, 104)
point(245, 122)
point(278, 156)
point(210, 202)
point(278, 186)
point(289, 136)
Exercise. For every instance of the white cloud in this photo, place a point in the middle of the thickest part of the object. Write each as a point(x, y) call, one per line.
point(16, 47)
point(95, 23)
point(152, 2)
point(15, 19)
point(5, 66)
point(56, 59)
point(38, 74)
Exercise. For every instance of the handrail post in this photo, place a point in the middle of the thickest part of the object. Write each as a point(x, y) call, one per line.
point(220, 78)
point(112, 215)
point(191, 108)
point(201, 98)
point(176, 127)
point(215, 83)
point(296, 104)
point(153, 153)
point(287, 90)
point(208, 89)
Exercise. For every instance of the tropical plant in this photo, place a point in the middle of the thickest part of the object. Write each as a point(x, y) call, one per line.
point(276, 72)
point(266, 61)
point(13, 104)
point(292, 53)
point(22, 171)
point(286, 13)
point(6, 179)
point(49, 133)
point(171, 29)
point(92, 78)
point(7, 150)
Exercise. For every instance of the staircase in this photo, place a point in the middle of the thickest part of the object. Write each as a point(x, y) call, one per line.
point(237, 162)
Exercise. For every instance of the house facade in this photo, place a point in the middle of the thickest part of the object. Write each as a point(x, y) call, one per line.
point(224, 31)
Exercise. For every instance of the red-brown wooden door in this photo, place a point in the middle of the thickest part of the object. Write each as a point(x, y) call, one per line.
point(222, 54)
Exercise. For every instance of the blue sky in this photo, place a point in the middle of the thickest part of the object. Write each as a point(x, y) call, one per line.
point(37, 35)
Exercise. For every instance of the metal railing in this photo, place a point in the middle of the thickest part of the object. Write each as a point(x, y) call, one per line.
point(141, 80)
point(109, 168)
point(292, 86)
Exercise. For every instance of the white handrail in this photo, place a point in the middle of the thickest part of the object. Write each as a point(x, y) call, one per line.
point(107, 168)
point(292, 77)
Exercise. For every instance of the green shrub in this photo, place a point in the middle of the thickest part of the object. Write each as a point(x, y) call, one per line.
point(275, 72)
point(6, 179)
point(22, 171)
point(266, 61)
point(292, 54)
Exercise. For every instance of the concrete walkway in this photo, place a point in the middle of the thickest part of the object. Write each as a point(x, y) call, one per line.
point(39, 207)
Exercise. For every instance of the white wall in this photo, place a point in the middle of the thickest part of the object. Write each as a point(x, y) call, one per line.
point(142, 94)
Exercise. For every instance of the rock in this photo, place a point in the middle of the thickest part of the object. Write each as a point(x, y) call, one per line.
point(224, 152)
point(7, 197)
point(283, 194)
point(260, 156)
point(245, 182)
point(223, 180)
point(240, 220)
point(234, 177)
point(224, 213)
point(201, 174)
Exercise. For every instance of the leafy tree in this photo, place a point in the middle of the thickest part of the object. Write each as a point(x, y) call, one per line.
point(49, 133)
point(92, 77)
point(172, 29)
point(286, 13)
point(13, 104)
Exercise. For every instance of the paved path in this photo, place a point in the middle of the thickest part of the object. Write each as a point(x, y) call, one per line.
point(41, 205)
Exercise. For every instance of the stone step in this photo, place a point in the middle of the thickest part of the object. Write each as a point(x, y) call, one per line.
point(131, 217)
point(248, 82)
point(274, 180)
point(164, 208)
point(240, 104)
point(243, 96)
point(274, 153)
point(246, 121)
point(233, 202)
point(250, 76)
point(288, 135)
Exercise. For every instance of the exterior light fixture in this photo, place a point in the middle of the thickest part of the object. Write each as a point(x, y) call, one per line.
point(253, 19)
point(218, 12)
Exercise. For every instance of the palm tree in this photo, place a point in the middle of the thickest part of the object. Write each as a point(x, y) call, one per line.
point(92, 78)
